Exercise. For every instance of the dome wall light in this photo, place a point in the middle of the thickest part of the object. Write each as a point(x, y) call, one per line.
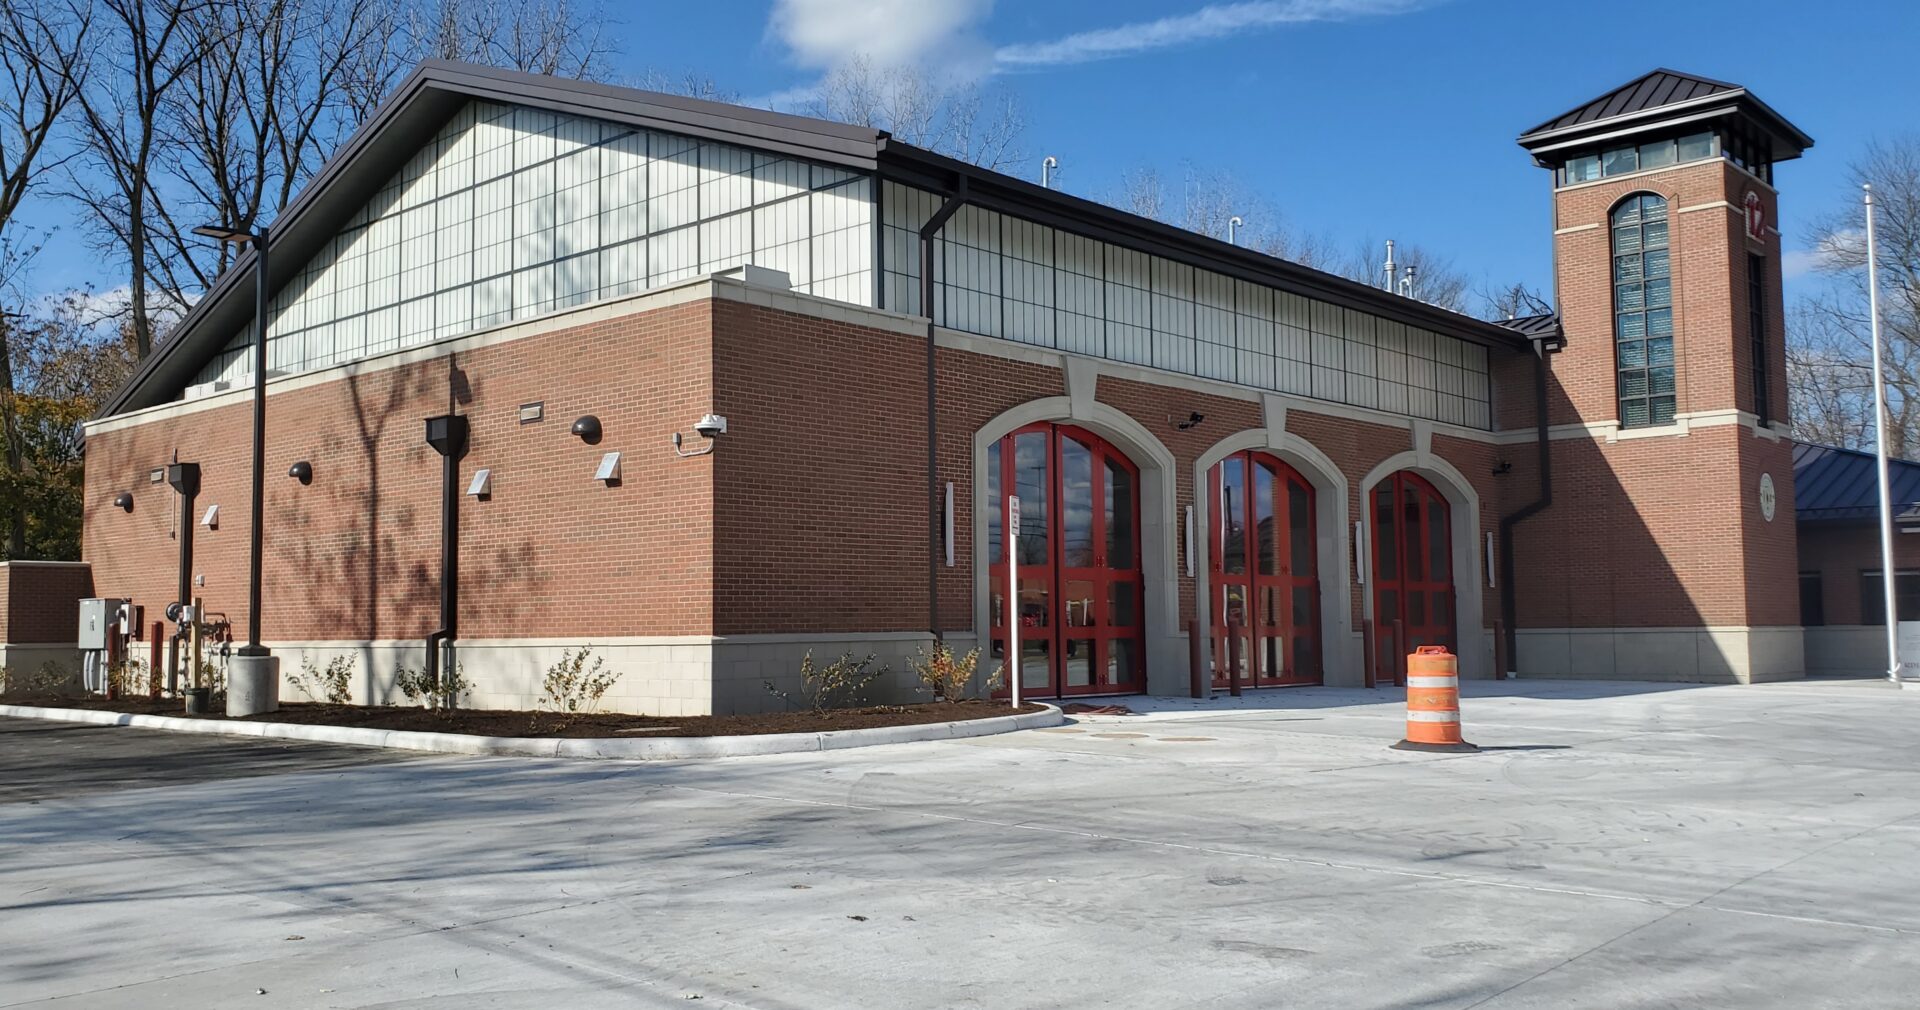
point(302, 472)
point(123, 501)
point(588, 429)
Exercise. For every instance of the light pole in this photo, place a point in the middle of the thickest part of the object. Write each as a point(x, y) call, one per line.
point(254, 684)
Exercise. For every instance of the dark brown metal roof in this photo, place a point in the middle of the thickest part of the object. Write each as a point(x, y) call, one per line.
point(437, 89)
point(1831, 483)
point(1655, 90)
point(1543, 325)
point(1655, 99)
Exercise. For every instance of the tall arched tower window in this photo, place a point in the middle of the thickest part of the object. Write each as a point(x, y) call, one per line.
point(1643, 311)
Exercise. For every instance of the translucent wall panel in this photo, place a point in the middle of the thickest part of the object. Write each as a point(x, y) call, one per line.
point(1002, 276)
point(511, 212)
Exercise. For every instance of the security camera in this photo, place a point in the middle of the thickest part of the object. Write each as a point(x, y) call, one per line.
point(710, 425)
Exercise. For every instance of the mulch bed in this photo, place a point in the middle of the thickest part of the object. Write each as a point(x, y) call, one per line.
point(479, 722)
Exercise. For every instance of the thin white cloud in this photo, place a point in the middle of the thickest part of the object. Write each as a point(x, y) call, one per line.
point(1836, 251)
point(1214, 21)
point(823, 34)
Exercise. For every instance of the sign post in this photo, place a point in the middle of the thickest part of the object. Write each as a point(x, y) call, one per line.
point(1013, 598)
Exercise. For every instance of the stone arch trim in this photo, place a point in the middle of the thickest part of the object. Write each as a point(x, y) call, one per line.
point(1469, 575)
point(1159, 536)
point(1331, 496)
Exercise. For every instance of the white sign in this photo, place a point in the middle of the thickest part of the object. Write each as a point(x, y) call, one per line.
point(1013, 518)
point(1768, 501)
point(1909, 645)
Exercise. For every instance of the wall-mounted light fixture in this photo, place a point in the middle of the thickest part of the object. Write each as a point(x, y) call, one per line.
point(481, 486)
point(1502, 468)
point(608, 472)
point(301, 471)
point(123, 501)
point(709, 427)
point(1193, 420)
point(211, 519)
point(531, 413)
point(588, 429)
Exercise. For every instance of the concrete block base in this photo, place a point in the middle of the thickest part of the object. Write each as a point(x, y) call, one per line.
point(253, 685)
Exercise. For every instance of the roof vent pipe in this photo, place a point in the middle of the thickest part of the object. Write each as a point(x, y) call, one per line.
point(1407, 285)
point(1389, 267)
point(1047, 165)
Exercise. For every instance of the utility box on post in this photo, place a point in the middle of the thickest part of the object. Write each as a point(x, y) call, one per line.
point(96, 624)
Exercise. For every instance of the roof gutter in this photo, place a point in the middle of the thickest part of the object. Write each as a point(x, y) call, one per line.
point(928, 231)
point(1542, 346)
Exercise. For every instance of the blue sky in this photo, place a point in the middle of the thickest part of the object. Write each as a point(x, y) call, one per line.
point(1355, 118)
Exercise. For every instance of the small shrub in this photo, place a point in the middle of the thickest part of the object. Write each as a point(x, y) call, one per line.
point(127, 678)
point(332, 683)
point(573, 687)
point(840, 684)
point(51, 678)
point(946, 677)
point(213, 677)
point(420, 689)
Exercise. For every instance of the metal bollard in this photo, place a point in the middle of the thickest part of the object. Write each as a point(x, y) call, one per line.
point(1234, 657)
point(1196, 660)
point(1399, 653)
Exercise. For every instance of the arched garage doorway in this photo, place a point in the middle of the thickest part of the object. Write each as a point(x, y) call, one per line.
point(1264, 573)
point(1413, 568)
point(1081, 598)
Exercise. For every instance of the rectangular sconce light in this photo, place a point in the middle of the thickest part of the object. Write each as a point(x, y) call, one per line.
point(1190, 563)
point(212, 519)
point(609, 471)
point(1360, 553)
point(481, 485)
point(157, 475)
point(531, 412)
point(948, 524)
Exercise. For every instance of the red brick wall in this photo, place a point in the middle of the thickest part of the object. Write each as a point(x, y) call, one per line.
point(40, 603)
point(1839, 552)
point(355, 556)
point(1661, 531)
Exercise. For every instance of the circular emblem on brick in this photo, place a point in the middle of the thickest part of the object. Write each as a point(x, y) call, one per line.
point(1768, 501)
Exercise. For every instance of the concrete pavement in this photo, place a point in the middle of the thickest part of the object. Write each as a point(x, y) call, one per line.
point(1628, 846)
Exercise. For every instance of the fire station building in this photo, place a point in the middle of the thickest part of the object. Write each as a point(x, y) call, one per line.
point(721, 387)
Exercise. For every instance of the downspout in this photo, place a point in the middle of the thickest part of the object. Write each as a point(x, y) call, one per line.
point(927, 232)
point(1539, 504)
point(448, 436)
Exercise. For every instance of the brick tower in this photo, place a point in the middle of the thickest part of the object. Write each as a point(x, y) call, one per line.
point(1669, 551)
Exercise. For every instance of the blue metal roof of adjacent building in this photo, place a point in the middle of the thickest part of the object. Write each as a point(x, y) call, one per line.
point(1834, 483)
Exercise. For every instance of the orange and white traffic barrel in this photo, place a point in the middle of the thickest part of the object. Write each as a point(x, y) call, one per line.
point(1433, 701)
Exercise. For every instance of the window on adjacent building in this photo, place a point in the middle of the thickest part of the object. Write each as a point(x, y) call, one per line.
point(1813, 605)
point(1643, 311)
point(1757, 335)
point(1906, 597)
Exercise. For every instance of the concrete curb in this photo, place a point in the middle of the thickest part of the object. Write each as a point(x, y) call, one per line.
point(587, 748)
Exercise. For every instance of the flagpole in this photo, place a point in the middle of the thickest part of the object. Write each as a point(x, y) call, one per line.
point(1887, 572)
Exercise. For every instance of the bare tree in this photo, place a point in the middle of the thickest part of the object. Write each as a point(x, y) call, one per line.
point(1513, 301)
point(253, 119)
point(149, 47)
point(1829, 340)
point(958, 121)
point(554, 37)
point(43, 60)
point(686, 83)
